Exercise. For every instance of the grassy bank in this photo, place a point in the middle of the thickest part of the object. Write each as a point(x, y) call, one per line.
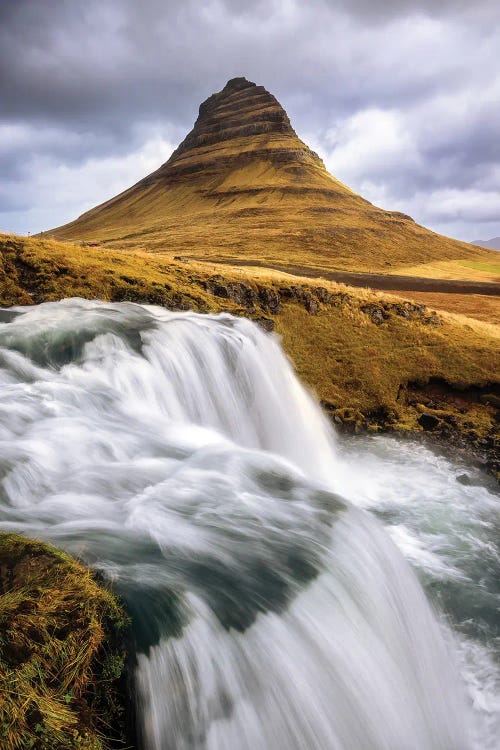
point(62, 653)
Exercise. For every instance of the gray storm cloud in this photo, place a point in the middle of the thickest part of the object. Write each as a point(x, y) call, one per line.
point(400, 97)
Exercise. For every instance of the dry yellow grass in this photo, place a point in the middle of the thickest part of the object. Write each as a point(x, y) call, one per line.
point(61, 652)
point(353, 363)
point(485, 269)
point(477, 306)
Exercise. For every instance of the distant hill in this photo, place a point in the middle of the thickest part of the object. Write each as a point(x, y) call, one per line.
point(242, 185)
point(493, 244)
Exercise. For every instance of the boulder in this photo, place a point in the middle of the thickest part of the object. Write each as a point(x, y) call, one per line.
point(269, 299)
point(376, 313)
point(428, 421)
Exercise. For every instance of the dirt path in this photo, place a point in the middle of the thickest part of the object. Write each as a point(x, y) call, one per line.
point(383, 282)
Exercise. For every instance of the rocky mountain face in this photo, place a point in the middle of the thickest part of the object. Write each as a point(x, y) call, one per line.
point(240, 112)
point(243, 186)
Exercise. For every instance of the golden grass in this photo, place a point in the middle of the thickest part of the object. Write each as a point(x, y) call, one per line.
point(485, 308)
point(486, 269)
point(351, 362)
point(477, 306)
point(33, 270)
point(61, 656)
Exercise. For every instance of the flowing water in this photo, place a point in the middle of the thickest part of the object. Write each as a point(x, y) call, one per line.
point(179, 455)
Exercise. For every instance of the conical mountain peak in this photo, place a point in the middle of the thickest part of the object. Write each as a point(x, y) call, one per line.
point(242, 113)
point(242, 185)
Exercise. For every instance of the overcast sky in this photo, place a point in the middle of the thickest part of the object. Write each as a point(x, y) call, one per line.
point(401, 98)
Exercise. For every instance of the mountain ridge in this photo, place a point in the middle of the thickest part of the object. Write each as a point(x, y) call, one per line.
point(493, 244)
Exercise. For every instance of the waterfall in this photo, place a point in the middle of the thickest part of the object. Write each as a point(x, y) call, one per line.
point(180, 456)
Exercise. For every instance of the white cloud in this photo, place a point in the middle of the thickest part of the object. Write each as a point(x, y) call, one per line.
point(371, 141)
point(59, 192)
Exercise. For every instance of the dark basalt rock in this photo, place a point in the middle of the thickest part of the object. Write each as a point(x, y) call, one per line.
point(311, 304)
point(428, 421)
point(266, 323)
point(242, 294)
point(306, 298)
point(409, 310)
point(269, 300)
point(376, 313)
point(467, 480)
point(241, 106)
point(432, 320)
point(323, 294)
point(490, 399)
point(217, 289)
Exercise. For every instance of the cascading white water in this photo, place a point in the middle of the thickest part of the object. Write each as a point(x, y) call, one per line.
point(179, 454)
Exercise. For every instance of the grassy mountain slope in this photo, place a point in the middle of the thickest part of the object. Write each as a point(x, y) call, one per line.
point(243, 185)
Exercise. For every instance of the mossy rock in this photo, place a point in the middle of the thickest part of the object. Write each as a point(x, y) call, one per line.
point(62, 653)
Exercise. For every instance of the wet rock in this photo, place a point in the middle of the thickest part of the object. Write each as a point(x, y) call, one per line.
point(384, 415)
point(490, 399)
point(266, 323)
point(428, 421)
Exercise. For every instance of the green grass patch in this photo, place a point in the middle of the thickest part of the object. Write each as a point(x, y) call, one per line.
point(489, 266)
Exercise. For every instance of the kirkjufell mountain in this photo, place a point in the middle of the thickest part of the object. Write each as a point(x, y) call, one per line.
point(242, 186)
